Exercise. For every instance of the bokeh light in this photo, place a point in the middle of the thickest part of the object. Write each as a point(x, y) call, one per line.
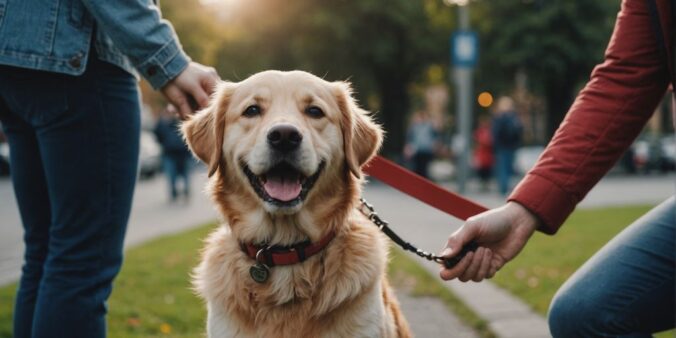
point(485, 99)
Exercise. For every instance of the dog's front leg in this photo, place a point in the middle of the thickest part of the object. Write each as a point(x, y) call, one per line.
point(219, 325)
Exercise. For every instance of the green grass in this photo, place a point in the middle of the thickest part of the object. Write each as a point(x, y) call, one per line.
point(547, 261)
point(404, 272)
point(6, 310)
point(152, 297)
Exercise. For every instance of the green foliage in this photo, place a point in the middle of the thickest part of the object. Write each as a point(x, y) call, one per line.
point(384, 47)
point(380, 47)
point(555, 43)
point(197, 29)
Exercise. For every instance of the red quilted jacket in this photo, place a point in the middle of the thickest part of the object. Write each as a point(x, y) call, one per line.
point(607, 115)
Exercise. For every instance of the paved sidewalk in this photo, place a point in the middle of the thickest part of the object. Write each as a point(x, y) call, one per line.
point(429, 317)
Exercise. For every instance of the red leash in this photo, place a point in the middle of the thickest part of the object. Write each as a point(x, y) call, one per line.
point(422, 189)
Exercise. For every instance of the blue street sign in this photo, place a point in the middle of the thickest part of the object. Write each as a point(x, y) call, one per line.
point(464, 48)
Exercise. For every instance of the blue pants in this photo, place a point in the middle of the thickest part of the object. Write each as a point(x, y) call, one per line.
point(74, 150)
point(504, 168)
point(627, 288)
point(177, 166)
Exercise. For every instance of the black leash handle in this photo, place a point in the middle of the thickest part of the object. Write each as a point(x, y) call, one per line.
point(369, 211)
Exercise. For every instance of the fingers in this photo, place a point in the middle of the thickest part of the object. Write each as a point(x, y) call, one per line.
point(458, 239)
point(485, 266)
point(473, 266)
point(179, 100)
point(210, 81)
point(207, 81)
point(476, 266)
point(194, 85)
point(200, 96)
point(459, 269)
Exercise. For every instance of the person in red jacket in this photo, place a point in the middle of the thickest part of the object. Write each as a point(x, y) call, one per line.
point(483, 152)
point(627, 288)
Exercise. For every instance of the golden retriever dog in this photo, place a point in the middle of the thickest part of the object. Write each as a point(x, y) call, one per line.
point(295, 258)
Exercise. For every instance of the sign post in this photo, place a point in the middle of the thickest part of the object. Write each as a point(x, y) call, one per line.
point(464, 55)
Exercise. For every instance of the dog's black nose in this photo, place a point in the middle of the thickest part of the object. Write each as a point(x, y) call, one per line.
point(284, 137)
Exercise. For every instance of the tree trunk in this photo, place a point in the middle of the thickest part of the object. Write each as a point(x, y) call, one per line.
point(393, 115)
point(559, 99)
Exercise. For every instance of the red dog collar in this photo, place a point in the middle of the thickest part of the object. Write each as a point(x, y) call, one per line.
point(286, 255)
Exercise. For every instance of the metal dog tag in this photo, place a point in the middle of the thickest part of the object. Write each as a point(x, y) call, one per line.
point(259, 272)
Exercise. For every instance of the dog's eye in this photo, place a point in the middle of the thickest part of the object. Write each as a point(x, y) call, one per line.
point(252, 111)
point(314, 112)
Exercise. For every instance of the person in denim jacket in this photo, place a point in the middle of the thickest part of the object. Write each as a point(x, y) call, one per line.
point(69, 105)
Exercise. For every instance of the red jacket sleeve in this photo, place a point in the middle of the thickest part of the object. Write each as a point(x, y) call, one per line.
point(605, 118)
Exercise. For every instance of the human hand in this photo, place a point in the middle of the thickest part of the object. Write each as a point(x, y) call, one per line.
point(501, 234)
point(192, 86)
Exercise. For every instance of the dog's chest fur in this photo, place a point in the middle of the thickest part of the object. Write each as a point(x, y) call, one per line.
point(338, 292)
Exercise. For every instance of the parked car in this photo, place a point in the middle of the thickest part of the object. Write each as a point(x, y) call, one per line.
point(653, 153)
point(668, 156)
point(150, 156)
point(4, 159)
point(526, 157)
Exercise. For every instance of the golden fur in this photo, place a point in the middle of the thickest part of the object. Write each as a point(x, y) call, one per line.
point(341, 291)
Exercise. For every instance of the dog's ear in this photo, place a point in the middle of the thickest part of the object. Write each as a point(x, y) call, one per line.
point(361, 136)
point(203, 132)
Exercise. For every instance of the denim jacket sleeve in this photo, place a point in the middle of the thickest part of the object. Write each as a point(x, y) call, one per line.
point(138, 30)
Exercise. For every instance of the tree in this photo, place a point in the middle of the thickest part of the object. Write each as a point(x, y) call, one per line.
point(555, 42)
point(382, 47)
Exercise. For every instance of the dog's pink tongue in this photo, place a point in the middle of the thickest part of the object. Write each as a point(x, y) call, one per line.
point(282, 189)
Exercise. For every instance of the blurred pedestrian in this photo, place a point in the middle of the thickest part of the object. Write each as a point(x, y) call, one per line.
point(627, 288)
point(506, 131)
point(69, 104)
point(483, 152)
point(175, 154)
point(422, 141)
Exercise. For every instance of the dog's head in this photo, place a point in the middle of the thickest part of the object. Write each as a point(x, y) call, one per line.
point(282, 135)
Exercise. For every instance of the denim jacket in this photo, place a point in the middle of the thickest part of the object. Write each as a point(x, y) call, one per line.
point(57, 36)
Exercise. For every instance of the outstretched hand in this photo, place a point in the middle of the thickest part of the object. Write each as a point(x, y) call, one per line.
point(191, 89)
point(501, 234)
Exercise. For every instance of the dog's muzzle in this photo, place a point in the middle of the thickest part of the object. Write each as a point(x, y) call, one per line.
point(282, 185)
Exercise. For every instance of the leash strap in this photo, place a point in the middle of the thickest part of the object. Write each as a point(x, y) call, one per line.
point(422, 189)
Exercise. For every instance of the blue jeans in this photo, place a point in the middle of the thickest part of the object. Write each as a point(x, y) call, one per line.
point(504, 168)
point(177, 166)
point(74, 145)
point(627, 288)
